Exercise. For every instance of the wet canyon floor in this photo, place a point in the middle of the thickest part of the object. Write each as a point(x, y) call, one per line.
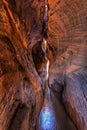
point(53, 115)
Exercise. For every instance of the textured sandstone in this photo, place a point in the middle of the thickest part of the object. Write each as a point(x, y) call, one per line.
point(31, 13)
point(20, 86)
point(67, 39)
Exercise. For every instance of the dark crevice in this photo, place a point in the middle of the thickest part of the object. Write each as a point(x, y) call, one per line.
point(85, 96)
point(38, 55)
point(18, 117)
point(37, 51)
point(45, 20)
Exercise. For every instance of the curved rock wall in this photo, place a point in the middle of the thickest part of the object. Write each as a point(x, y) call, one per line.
point(67, 39)
point(20, 86)
point(31, 13)
point(21, 27)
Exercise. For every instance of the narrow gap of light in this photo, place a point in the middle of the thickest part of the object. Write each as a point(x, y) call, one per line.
point(44, 45)
point(47, 68)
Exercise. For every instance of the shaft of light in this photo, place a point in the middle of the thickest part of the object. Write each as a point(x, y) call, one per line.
point(47, 68)
point(44, 45)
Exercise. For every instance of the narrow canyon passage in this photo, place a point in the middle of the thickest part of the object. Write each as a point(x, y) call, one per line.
point(43, 43)
point(53, 115)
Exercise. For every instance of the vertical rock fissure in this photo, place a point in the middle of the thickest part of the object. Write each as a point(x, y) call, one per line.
point(45, 20)
point(45, 68)
point(46, 13)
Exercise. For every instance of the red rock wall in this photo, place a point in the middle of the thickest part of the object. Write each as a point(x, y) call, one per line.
point(21, 23)
point(20, 86)
point(31, 14)
point(67, 38)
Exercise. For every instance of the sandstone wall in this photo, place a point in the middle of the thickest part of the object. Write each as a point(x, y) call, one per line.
point(20, 86)
point(67, 38)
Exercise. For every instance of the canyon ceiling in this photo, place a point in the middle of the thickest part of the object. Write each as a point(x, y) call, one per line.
point(22, 59)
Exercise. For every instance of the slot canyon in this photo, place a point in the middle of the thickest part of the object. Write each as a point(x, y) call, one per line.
point(43, 65)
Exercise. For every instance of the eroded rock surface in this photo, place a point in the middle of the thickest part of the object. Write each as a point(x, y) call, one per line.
point(67, 38)
point(20, 86)
point(21, 32)
point(31, 13)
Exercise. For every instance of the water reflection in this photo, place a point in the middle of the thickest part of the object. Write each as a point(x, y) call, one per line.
point(53, 115)
point(47, 119)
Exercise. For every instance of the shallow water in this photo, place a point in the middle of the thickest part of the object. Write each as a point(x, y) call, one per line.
point(53, 115)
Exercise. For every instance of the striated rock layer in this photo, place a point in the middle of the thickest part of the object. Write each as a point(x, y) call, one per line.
point(67, 39)
point(31, 13)
point(20, 86)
